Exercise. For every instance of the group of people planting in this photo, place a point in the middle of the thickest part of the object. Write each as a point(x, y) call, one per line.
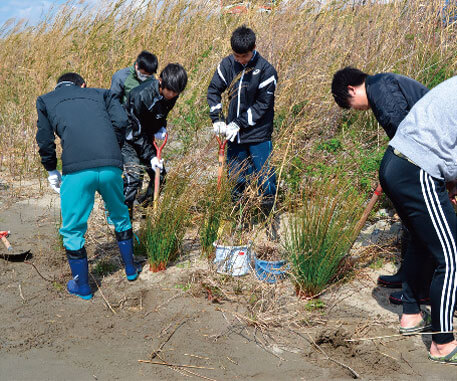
point(419, 175)
point(108, 140)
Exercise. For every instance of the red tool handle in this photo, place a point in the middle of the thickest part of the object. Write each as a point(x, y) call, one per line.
point(157, 171)
point(3, 235)
point(159, 149)
point(221, 145)
point(369, 207)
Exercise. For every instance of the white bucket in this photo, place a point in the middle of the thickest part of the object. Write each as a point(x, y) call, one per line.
point(233, 260)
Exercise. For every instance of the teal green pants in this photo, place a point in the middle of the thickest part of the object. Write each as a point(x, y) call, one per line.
point(77, 194)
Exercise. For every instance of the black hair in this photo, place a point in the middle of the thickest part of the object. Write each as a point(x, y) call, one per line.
point(174, 77)
point(148, 62)
point(243, 40)
point(72, 77)
point(349, 76)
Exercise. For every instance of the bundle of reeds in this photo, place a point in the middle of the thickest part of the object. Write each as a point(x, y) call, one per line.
point(320, 232)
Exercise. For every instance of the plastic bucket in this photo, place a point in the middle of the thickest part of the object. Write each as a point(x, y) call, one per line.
point(270, 271)
point(233, 260)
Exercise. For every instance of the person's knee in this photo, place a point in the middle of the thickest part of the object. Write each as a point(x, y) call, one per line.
point(132, 180)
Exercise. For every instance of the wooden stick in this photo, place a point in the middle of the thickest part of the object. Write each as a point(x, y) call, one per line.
point(199, 375)
point(197, 357)
point(397, 335)
point(231, 360)
point(155, 353)
point(103, 296)
point(176, 365)
point(44, 278)
point(186, 372)
point(20, 293)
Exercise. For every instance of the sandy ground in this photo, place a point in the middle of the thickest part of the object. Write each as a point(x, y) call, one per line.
point(47, 334)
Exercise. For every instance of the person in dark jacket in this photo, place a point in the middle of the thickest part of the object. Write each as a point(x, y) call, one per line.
point(148, 106)
point(124, 80)
point(390, 97)
point(419, 175)
point(250, 82)
point(91, 126)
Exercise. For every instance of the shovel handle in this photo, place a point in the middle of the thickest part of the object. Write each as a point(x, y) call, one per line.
point(221, 160)
point(159, 149)
point(369, 207)
point(156, 188)
point(6, 243)
point(222, 145)
point(157, 171)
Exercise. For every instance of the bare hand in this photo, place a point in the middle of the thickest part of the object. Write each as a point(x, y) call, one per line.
point(452, 191)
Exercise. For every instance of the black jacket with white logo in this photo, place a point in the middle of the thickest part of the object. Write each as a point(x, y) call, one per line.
point(391, 96)
point(148, 111)
point(250, 91)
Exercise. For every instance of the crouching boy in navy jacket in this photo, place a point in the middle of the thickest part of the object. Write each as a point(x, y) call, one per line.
point(91, 125)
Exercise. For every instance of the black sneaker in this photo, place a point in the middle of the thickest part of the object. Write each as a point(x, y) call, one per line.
point(397, 298)
point(390, 281)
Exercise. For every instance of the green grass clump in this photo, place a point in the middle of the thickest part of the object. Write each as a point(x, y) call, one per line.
point(104, 267)
point(320, 231)
point(217, 205)
point(162, 233)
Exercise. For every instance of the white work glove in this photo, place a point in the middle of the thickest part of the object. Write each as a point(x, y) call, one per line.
point(55, 179)
point(160, 135)
point(155, 163)
point(232, 131)
point(219, 128)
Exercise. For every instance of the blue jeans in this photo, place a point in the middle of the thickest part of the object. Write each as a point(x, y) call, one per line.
point(77, 194)
point(248, 159)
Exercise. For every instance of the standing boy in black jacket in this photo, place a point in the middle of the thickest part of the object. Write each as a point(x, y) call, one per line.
point(251, 83)
point(390, 97)
point(148, 106)
point(91, 125)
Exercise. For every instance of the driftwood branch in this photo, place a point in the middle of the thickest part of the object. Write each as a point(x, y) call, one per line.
point(155, 353)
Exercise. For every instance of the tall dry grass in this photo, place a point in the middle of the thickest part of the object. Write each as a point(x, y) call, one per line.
point(306, 42)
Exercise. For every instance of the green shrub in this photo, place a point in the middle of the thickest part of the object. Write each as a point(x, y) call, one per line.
point(163, 230)
point(320, 232)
